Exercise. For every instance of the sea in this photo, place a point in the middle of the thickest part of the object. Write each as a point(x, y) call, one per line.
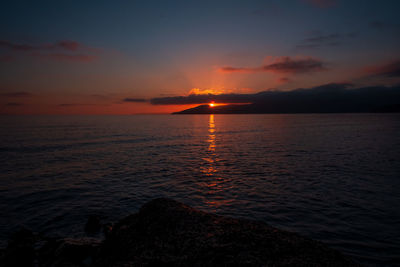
point(330, 177)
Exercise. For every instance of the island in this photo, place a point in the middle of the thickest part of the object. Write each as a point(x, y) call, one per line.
point(331, 98)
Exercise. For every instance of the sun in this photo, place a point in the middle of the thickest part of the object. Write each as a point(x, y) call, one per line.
point(211, 105)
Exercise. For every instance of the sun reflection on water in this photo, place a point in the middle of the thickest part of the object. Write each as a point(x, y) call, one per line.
point(209, 168)
point(211, 135)
point(215, 184)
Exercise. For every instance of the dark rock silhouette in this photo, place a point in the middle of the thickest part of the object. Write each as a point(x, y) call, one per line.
point(107, 229)
point(168, 233)
point(93, 225)
point(26, 248)
point(20, 250)
point(68, 252)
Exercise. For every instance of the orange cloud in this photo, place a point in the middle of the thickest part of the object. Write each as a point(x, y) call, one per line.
point(283, 80)
point(389, 69)
point(197, 91)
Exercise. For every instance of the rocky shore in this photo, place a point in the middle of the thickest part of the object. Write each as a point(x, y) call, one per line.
point(168, 233)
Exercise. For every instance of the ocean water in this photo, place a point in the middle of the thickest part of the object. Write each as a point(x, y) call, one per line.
point(330, 177)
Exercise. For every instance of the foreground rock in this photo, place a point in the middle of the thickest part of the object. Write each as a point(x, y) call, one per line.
point(28, 249)
point(168, 233)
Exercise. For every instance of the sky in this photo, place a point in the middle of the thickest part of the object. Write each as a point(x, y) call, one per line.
point(117, 57)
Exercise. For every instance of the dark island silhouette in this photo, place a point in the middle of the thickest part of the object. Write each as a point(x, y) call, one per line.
point(331, 98)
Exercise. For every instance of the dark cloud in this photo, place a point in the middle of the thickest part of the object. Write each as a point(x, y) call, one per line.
point(18, 47)
point(138, 100)
point(6, 58)
point(14, 104)
point(318, 40)
point(17, 94)
point(64, 50)
point(322, 3)
point(237, 98)
point(78, 104)
point(67, 57)
point(68, 45)
point(104, 97)
point(283, 65)
point(69, 105)
point(284, 80)
point(61, 45)
point(390, 69)
point(381, 25)
point(203, 98)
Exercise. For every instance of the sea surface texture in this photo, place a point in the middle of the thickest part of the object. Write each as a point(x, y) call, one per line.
point(330, 177)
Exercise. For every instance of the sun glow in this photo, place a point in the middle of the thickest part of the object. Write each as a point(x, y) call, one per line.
point(213, 104)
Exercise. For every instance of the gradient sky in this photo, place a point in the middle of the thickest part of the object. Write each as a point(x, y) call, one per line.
point(112, 57)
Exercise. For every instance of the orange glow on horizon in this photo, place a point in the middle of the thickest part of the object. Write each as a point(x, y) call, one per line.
point(213, 104)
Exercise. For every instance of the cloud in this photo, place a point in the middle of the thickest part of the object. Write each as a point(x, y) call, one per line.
point(61, 45)
point(68, 45)
point(319, 39)
point(382, 25)
point(100, 97)
point(239, 98)
point(137, 100)
point(283, 65)
point(334, 97)
point(202, 99)
point(376, 24)
point(198, 91)
point(322, 3)
point(78, 104)
point(68, 57)
point(284, 80)
point(390, 69)
point(69, 105)
point(17, 94)
point(65, 50)
point(6, 58)
point(18, 47)
point(13, 104)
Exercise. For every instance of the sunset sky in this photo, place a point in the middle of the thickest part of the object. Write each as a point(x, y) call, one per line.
point(114, 57)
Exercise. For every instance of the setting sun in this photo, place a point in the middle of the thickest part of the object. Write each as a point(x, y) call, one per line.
point(211, 105)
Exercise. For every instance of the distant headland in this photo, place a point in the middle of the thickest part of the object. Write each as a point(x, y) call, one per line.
point(331, 98)
point(259, 109)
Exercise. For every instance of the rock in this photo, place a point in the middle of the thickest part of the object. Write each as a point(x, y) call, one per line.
point(27, 249)
point(68, 252)
point(20, 249)
point(107, 228)
point(168, 233)
point(93, 225)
